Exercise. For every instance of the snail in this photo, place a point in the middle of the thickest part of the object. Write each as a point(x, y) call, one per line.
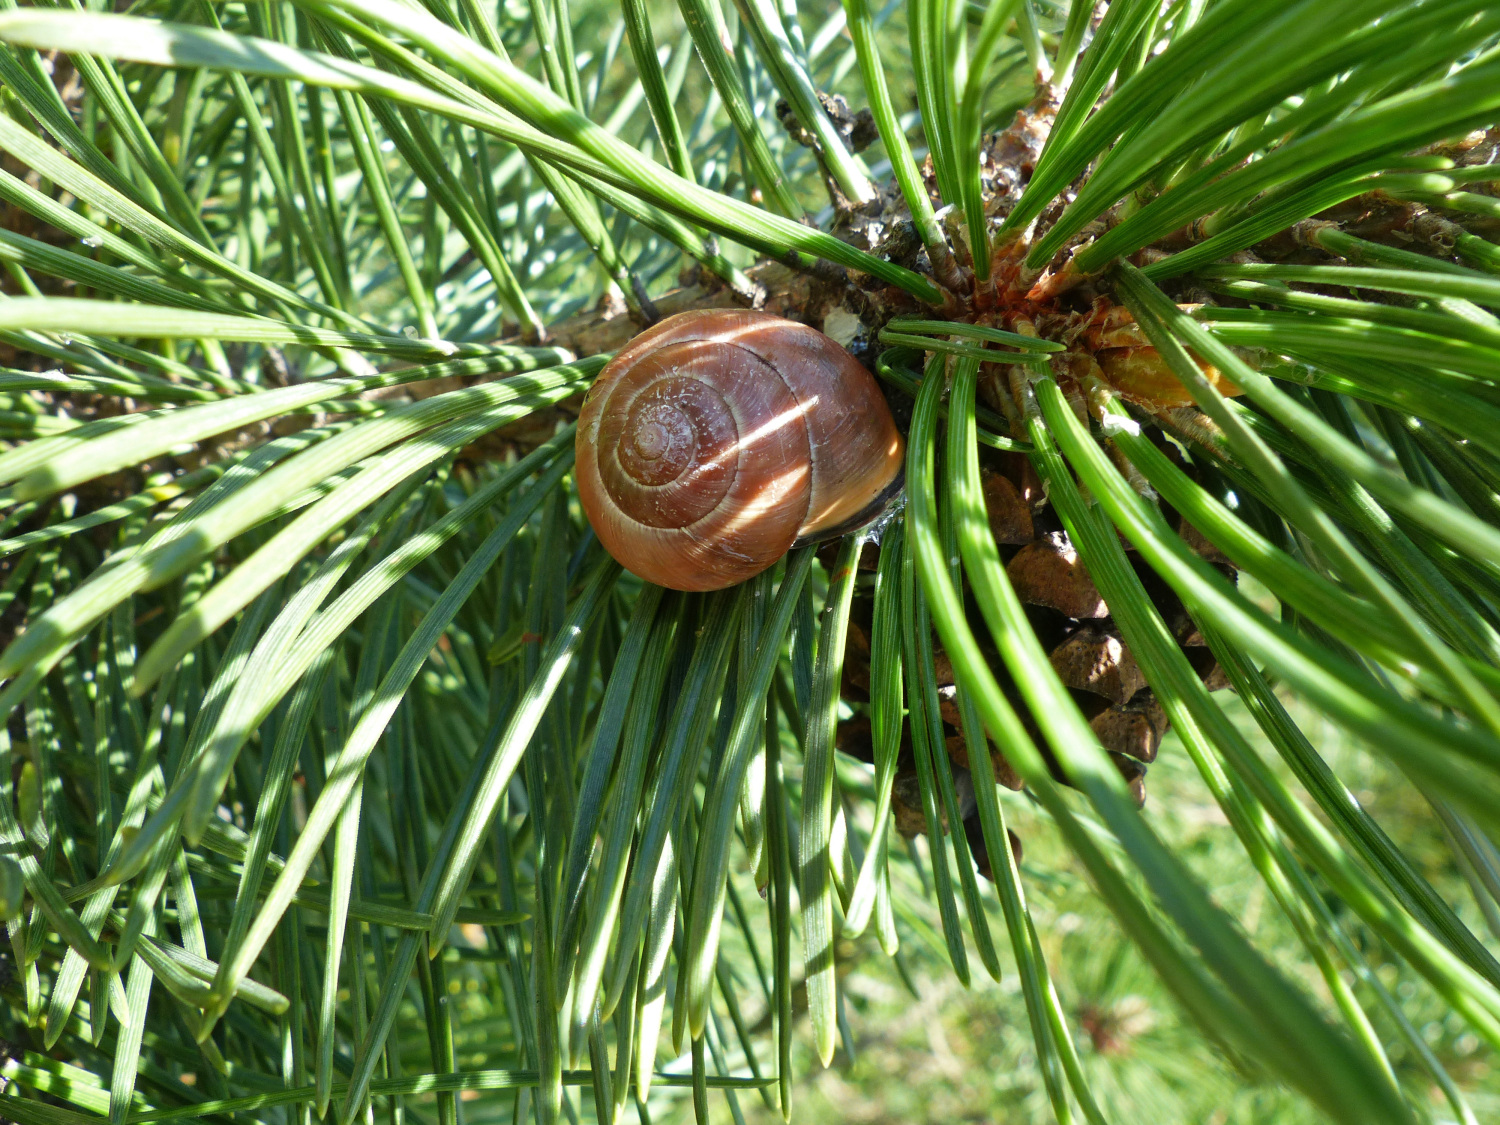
point(718, 439)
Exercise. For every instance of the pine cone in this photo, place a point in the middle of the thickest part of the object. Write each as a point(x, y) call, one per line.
point(1072, 621)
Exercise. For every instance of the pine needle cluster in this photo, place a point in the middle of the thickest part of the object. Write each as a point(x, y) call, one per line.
point(343, 774)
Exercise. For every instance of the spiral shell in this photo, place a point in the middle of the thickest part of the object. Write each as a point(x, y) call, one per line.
point(718, 438)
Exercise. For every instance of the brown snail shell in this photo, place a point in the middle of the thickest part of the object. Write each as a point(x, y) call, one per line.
point(718, 438)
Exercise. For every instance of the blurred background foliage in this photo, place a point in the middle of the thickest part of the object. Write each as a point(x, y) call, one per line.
point(954, 1054)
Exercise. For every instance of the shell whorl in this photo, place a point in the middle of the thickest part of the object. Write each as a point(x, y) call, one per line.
point(716, 439)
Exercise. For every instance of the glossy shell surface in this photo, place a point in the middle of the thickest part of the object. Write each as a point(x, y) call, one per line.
point(716, 439)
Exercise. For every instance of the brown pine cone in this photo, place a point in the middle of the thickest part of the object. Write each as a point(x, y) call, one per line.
point(1072, 621)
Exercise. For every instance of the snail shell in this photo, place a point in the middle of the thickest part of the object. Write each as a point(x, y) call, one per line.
point(717, 439)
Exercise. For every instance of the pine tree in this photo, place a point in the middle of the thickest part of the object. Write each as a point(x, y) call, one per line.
point(344, 771)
